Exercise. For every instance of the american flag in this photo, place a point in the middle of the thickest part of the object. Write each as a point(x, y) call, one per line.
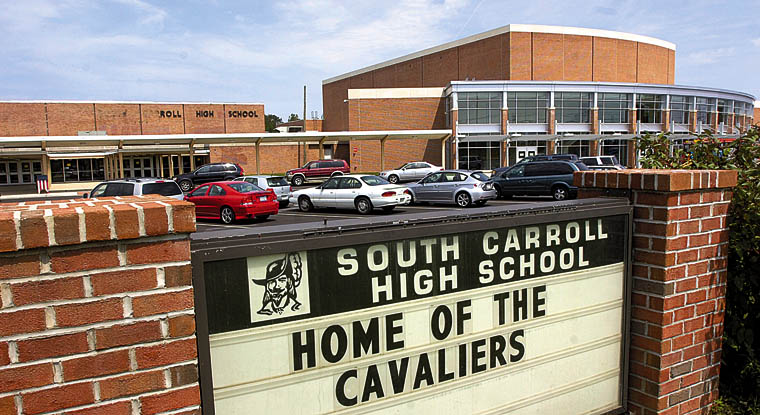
point(42, 183)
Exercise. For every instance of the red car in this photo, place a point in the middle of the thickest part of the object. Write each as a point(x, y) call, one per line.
point(317, 170)
point(233, 200)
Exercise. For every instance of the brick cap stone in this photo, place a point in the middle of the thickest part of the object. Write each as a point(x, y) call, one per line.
point(656, 179)
point(41, 224)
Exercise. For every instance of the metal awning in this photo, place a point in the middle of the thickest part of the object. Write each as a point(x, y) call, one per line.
point(89, 155)
point(206, 139)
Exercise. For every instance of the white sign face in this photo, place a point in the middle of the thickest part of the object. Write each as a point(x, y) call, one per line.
point(518, 320)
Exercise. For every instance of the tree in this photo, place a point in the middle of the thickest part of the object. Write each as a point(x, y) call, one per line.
point(293, 117)
point(270, 122)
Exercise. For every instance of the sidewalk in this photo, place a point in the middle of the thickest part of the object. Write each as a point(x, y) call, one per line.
point(33, 195)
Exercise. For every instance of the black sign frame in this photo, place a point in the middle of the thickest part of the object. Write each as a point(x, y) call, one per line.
point(287, 238)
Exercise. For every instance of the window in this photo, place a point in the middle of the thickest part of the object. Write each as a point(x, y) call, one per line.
point(613, 108)
point(479, 107)
point(218, 191)
point(476, 155)
point(350, 183)
point(705, 109)
point(519, 150)
point(432, 178)
point(201, 191)
point(74, 170)
point(204, 169)
point(331, 183)
point(649, 108)
point(517, 171)
point(277, 181)
point(581, 148)
point(573, 107)
point(480, 176)
point(453, 177)
point(680, 109)
point(374, 180)
point(242, 187)
point(616, 147)
point(158, 188)
point(528, 107)
point(725, 107)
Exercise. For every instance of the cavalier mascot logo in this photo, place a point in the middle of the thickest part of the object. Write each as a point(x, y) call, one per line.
point(283, 276)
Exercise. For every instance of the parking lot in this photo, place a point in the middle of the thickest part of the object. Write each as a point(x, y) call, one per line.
point(291, 215)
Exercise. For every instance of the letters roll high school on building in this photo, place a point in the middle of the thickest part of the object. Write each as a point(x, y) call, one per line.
point(480, 102)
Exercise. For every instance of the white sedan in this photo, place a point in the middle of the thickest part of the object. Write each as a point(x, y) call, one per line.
point(410, 172)
point(354, 191)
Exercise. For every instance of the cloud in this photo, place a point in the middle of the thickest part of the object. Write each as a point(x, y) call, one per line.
point(152, 14)
point(756, 42)
point(709, 56)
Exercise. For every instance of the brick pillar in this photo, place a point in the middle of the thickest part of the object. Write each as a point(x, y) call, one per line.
point(693, 121)
point(595, 121)
point(552, 117)
point(97, 308)
point(593, 148)
point(631, 162)
point(453, 143)
point(665, 121)
point(632, 121)
point(504, 120)
point(679, 283)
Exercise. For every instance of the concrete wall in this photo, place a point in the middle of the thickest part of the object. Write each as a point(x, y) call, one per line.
point(97, 309)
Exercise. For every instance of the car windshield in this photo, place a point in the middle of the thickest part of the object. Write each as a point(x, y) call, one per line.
point(162, 188)
point(480, 176)
point(403, 165)
point(277, 181)
point(374, 180)
point(244, 187)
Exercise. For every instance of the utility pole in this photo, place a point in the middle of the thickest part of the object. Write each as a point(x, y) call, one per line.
point(304, 122)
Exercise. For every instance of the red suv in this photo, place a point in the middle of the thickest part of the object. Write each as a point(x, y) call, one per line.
point(319, 169)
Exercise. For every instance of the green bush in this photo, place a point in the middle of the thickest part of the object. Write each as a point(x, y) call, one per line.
point(740, 366)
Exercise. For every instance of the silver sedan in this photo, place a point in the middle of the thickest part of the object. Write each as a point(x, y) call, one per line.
point(354, 191)
point(461, 187)
point(410, 172)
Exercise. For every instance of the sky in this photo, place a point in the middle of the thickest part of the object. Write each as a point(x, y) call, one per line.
point(266, 51)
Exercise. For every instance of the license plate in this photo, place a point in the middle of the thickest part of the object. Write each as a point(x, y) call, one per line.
point(263, 198)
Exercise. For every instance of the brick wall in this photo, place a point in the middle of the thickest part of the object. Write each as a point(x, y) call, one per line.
point(96, 311)
point(679, 283)
point(396, 114)
point(510, 56)
point(68, 119)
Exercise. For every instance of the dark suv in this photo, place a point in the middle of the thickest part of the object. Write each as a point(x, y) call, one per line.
point(212, 172)
point(318, 169)
point(536, 178)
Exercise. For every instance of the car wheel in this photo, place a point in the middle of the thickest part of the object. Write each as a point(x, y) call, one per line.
point(463, 199)
point(498, 192)
point(227, 215)
point(304, 204)
point(393, 178)
point(297, 180)
point(186, 185)
point(284, 204)
point(262, 217)
point(559, 193)
point(388, 208)
point(363, 205)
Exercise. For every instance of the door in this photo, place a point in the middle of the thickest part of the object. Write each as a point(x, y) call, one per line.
point(325, 197)
point(513, 180)
point(203, 175)
point(536, 177)
point(347, 191)
point(215, 200)
point(200, 200)
point(526, 151)
point(448, 185)
point(424, 191)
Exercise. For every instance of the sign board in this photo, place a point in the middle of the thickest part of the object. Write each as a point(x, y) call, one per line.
point(490, 316)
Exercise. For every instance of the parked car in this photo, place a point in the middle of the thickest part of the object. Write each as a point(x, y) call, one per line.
point(231, 200)
point(212, 172)
point(554, 178)
point(136, 187)
point(538, 157)
point(360, 192)
point(462, 187)
point(412, 171)
point(319, 169)
point(278, 184)
point(602, 163)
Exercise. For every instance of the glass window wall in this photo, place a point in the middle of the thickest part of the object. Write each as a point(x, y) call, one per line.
point(705, 110)
point(725, 107)
point(680, 109)
point(581, 148)
point(528, 107)
point(613, 108)
point(77, 170)
point(573, 107)
point(479, 107)
point(615, 147)
point(649, 108)
point(479, 155)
